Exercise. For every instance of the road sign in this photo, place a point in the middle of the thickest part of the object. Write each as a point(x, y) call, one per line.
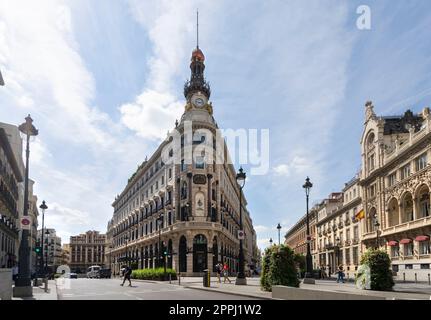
point(241, 234)
point(25, 223)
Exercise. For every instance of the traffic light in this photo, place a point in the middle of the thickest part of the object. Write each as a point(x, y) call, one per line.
point(38, 250)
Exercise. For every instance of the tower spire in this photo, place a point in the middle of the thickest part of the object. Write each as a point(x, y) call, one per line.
point(197, 28)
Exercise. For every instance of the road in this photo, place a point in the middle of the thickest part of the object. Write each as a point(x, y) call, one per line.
point(110, 289)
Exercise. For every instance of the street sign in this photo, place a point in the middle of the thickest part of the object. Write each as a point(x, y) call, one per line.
point(241, 234)
point(25, 223)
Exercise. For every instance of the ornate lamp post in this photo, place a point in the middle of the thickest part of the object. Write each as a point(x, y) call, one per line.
point(270, 242)
point(46, 253)
point(337, 245)
point(279, 228)
point(377, 225)
point(160, 224)
point(126, 239)
point(309, 263)
point(240, 279)
point(43, 206)
point(23, 286)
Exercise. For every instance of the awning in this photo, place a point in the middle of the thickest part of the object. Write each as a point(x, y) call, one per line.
point(403, 241)
point(422, 238)
point(392, 243)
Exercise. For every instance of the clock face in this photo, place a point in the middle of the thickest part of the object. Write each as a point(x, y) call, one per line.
point(199, 102)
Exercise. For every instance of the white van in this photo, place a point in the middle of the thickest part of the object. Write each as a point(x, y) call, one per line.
point(93, 272)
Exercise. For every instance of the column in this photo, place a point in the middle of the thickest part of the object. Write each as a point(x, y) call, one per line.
point(190, 198)
point(209, 214)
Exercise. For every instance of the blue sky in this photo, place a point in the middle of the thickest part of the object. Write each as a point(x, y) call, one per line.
point(103, 82)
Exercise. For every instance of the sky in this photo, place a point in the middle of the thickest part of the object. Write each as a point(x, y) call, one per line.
point(103, 82)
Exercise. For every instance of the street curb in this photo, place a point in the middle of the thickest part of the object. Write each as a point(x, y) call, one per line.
point(230, 292)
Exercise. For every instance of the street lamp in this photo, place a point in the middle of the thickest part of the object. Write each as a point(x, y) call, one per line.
point(43, 206)
point(126, 239)
point(279, 228)
point(159, 223)
point(46, 254)
point(309, 263)
point(240, 279)
point(270, 242)
point(377, 225)
point(23, 286)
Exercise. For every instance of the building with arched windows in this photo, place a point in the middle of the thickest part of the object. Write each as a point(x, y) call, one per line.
point(181, 208)
point(396, 181)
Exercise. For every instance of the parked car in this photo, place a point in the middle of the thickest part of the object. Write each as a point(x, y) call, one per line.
point(93, 272)
point(105, 273)
point(71, 275)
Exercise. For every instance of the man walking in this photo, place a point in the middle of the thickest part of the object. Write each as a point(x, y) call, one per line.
point(219, 269)
point(127, 274)
point(340, 274)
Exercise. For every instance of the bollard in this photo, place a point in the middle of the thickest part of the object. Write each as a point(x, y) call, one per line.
point(404, 277)
point(45, 288)
point(429, 279)
point(170, 278)
point(179, 279)
point(416, 278)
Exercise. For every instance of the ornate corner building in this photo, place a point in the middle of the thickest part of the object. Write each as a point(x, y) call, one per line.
point(181, 207)
point(396, 181)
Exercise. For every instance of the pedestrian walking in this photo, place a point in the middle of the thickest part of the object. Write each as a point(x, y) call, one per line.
point(340, 274)
point(226, 273)
point(127, 274)
point(15, 272)
point(219, 269)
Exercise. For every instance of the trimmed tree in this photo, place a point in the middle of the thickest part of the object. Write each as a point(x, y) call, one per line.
point(380, 269)
point(279, 268)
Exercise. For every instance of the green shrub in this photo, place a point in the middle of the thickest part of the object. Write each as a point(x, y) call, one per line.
point(154, 274)
point(379, 263)
point(279, 268)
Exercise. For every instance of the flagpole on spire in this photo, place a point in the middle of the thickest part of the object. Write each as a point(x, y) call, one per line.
point(197, 28)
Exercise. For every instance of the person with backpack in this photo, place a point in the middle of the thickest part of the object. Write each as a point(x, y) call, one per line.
point(219, 269)
point(127, 274)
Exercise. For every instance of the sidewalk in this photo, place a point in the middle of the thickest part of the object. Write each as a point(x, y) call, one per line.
point(251, 290)
point(399, 293)
point(40, 294)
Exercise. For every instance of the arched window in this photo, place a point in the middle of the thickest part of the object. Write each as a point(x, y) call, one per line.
point(370, 152)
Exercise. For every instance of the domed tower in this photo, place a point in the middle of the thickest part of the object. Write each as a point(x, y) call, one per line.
point(197, 90)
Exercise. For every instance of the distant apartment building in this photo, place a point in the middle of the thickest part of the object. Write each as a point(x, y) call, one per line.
point(51, 248)
point(86, 250)
point(296, 237)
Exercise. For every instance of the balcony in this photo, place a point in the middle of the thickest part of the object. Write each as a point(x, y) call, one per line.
point(347, 243)
point(355, 241)
point(320, 233)
point(334, 227)
point(340, 224)
point(325, 232)
point(418, 223)
point(347, 222)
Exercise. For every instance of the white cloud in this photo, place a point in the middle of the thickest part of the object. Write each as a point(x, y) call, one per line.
point(151, 114)
point(298, 165)
point(260, 228)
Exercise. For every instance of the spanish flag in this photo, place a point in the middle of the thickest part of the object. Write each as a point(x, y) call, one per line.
point(360, 215)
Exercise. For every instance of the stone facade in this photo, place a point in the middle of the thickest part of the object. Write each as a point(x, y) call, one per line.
point(296, 237)
point(11, 176)
point(396, 178)
point(338, 231)
point(86, 250)
point(183, 212)
point(52, 248)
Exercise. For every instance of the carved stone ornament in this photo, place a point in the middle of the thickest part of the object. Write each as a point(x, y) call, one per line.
point(199, 179)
